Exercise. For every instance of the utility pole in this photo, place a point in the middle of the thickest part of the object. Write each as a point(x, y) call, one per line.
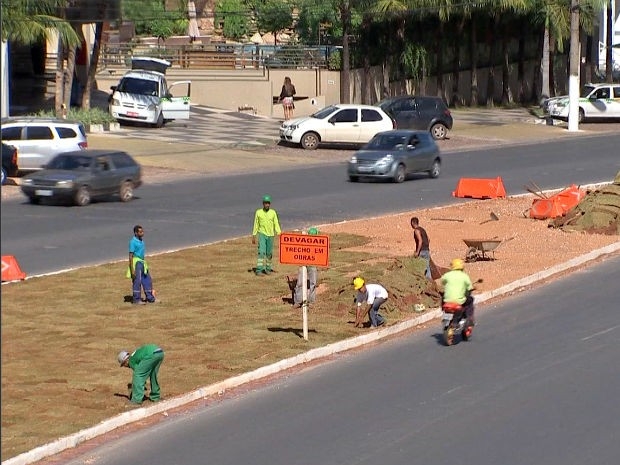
point(575, 62)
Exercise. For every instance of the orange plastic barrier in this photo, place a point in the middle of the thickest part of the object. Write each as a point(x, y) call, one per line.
point(558, 204)
point(11, 270)
point(480, 188)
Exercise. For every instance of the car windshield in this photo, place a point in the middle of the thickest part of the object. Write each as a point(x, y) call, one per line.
point(388, 142)
point(137, 86)
point(71, 163)
point(324, 112)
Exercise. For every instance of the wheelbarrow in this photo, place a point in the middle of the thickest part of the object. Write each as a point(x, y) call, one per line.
point(480, 248)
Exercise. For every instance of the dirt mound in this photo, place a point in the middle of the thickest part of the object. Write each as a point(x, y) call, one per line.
point(597, 213)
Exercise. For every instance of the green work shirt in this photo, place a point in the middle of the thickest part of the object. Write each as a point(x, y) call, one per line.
point(266, 222)
point(141, 353)
point(456, 283)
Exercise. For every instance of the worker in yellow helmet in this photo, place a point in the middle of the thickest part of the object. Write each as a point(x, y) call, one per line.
point(457, 288)
point(373, 295)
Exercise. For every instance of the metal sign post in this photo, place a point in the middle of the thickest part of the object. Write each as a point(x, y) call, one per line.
point(305, 250)
point(304, 300)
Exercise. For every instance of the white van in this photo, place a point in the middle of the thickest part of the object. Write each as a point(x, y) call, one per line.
point(143, 95)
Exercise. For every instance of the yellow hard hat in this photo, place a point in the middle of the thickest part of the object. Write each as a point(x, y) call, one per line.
point(457, 264)
point(358, 283)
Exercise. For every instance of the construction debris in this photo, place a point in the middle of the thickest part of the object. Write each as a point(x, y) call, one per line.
point(598, 212)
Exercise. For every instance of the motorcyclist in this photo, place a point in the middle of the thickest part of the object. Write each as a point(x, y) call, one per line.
point(457, 288)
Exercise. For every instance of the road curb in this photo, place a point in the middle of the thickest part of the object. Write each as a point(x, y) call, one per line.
point(162, 407)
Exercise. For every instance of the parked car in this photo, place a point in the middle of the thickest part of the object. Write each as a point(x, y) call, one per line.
point(83, 175)
point(394, 155)
point(342, 123)
point(419, 112)
point(596, 101)
point(143, 95)
point(38, 140)
point(10, 165)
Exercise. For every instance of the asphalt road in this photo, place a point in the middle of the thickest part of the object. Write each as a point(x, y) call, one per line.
point(538, 384)
point(175, 215)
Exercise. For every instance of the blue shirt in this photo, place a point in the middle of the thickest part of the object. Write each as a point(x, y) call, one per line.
point(136, 247)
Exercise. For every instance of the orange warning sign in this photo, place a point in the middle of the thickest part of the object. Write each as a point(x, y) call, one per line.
point(304, 249)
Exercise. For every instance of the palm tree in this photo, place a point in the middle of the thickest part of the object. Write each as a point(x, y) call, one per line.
point(28, 22)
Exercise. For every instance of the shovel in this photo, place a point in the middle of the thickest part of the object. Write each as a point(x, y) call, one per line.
point(493, 217)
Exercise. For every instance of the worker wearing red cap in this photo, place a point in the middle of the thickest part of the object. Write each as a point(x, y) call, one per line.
point(266, 226)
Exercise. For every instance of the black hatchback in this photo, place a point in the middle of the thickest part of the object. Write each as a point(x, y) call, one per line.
point(419, 112)
point(83, 175)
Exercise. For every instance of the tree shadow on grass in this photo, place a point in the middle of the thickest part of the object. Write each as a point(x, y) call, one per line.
point(298, 332)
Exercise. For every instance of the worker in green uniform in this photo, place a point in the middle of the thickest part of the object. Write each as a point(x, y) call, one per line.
point(145, 362)
point(266, 226)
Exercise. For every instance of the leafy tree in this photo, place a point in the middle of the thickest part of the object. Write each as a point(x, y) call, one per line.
point(316, 20)
point(234, 14)
point(274, 16)
point(151, 18)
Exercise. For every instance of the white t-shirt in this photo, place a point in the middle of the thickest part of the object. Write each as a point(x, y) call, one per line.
point(375, 291)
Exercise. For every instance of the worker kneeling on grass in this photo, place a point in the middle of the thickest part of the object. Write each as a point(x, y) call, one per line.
point(145, 362)
point(374, 295)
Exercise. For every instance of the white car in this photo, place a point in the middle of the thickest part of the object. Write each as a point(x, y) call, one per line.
point(143, 95)
point(595, 101)
point(342, 123)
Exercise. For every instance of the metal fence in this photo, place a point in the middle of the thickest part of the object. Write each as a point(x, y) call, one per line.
point(220, 56)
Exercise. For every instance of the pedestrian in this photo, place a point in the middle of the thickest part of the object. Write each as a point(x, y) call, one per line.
point(312, 275)
point(266, 226)
point(139, 271)
point(286, 97)
point(374, 295)
point(145, 362)
point(422, 245)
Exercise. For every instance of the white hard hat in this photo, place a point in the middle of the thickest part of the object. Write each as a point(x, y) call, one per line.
point(122, 356)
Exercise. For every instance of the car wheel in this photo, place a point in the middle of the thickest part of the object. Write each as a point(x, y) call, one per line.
point(126, 191)
point(582, 116)
point(400, 174)
point(82, 196)
point(3, 177)
point(439, 131)
point(310, 140)
point(33, 199)
point(160, 120)
point(435, 170)
point(354, 178)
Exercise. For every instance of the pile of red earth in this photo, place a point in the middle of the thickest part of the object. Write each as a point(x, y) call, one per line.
point(597, 213)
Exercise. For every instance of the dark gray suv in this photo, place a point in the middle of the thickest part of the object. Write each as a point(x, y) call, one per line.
point(419, 112)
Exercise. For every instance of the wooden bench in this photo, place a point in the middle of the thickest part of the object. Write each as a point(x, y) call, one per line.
point(206, 59)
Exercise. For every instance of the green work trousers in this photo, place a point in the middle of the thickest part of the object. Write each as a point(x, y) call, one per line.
point(146, 369)
point(265, 253)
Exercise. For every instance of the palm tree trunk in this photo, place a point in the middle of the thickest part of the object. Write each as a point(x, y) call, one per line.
point(92, 66)
point(60, 81)
point(490, 101)
point(544, 65)
point(473, 56)
point(609, 38)
point(456, 99)
point(345, 74)
point(70, 71)
point(440, 66)
point(506, 91)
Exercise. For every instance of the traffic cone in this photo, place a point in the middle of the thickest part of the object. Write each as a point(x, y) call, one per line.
point(11, 270)
point(480, 188)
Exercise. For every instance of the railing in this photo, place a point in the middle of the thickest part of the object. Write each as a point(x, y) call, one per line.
point(192, 56)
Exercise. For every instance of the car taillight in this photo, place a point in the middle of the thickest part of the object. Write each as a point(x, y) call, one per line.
point(447, 112)
point(83, 145)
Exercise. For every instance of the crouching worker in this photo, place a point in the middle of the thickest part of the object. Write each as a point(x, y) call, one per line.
point(312, 275)
point(145, 362)
point(374, 295)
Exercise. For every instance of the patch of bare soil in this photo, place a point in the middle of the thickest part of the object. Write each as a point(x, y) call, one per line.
point(525, 246)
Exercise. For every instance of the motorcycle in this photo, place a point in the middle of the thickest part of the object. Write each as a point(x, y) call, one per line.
point(455, 322)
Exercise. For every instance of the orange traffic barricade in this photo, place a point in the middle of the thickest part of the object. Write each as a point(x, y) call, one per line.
point(11, 270)
point(480, 188)
point(557, 205)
